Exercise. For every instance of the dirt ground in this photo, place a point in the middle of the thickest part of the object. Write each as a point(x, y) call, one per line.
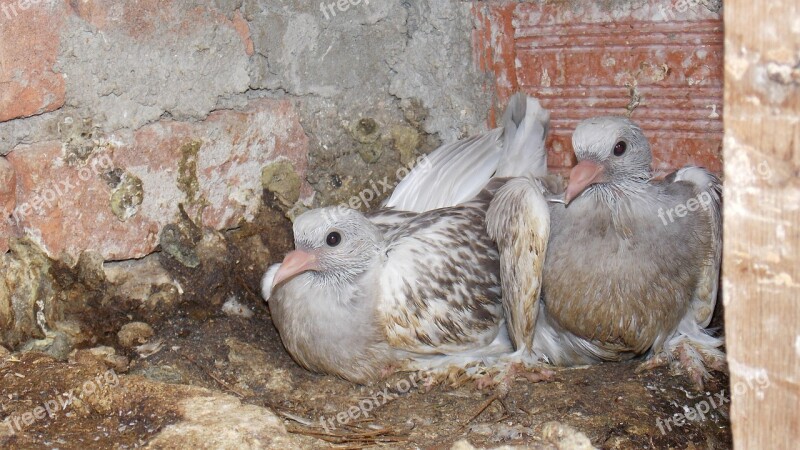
point(212, 377)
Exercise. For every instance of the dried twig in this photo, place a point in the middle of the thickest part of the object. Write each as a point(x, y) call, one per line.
point(219, 380)
point(360, 438)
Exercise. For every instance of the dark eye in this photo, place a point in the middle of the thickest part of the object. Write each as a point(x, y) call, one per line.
point(333, 239)
point(619, 148)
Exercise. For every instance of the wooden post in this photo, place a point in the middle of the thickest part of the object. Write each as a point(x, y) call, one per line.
point(761, 268)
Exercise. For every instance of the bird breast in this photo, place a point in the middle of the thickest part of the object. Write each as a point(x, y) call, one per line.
point(632, 290)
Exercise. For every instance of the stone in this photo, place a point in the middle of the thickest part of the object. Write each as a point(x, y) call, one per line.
point(29, 43)
point(253, 368)
point(69, 203)
point(144, 280)
point(55, 343)
point(175, 416)
point(134, 334)
point(105, 355)
point(222, 421)
point(406, 141)
point(564, 437)
point(27, 286)
point(127, 197)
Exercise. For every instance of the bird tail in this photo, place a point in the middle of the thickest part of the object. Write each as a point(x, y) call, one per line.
point(457, 171)
point(525, 125)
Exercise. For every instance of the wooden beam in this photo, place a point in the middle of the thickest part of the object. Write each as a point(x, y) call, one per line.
point(761, 268)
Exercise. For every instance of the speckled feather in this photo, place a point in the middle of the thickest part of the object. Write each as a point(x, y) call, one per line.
point(440, 284)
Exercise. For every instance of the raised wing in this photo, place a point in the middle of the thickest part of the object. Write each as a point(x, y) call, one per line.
point(456, 172)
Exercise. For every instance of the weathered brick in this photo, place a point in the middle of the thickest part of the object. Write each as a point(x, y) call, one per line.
point(129, 63)
point(213, 166)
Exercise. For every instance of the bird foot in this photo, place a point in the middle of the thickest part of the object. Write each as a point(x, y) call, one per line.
point(504, 376)
point(692, 358)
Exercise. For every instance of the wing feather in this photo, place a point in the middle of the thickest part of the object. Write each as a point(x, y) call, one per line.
point(440, 285)
point(709, 190)
point(518, 219)
point(456, 172)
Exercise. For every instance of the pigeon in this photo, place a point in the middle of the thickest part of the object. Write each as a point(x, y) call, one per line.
point(364, 295)
point(632, 264)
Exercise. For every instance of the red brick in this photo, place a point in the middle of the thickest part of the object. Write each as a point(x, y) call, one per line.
point(234, 148)
point(493, 41)
point(584, 62)
point(144, 18)
point(29, 40)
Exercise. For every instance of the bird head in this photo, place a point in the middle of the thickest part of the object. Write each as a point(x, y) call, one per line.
point(611, 151)
point(335, 244)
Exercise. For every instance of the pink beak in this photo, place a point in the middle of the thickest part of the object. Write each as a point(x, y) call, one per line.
point(581, 177)
point(295, 263)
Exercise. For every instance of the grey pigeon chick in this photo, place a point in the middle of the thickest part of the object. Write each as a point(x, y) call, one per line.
point(363, 296)
point(632, 264)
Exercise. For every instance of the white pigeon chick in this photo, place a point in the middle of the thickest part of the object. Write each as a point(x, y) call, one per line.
point(363, 296)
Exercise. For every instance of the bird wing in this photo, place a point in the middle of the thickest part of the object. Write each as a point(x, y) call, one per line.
point(451, 174)
point(518, 219)
point(457, 171)
point(440, 289)
point(708, 189)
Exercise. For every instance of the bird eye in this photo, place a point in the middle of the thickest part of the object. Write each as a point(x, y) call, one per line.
point(620, 148)
point(333, 239)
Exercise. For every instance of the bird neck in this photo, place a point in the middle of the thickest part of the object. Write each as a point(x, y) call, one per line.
point(612, 193)
point(617, 198)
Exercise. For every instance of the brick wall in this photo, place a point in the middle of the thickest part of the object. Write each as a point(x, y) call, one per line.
point(112, 113)
point(659, 61)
